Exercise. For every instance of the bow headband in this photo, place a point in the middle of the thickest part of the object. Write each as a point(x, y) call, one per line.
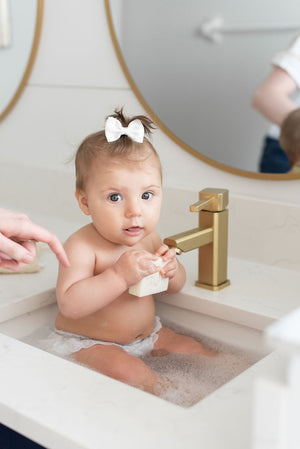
point(114, 130)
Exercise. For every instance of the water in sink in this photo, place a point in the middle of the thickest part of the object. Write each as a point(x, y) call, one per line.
point(190, 378)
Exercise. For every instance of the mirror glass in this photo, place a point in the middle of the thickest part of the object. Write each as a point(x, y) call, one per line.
point(20, 23)
point(197, 64)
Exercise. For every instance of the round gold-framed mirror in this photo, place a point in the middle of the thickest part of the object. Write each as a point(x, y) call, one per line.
point(114, 19)
point(22, 22)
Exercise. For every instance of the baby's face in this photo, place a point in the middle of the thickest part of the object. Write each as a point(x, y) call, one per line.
point(124, 199)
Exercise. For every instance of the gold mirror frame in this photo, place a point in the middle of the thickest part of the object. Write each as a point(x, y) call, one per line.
point(35, 44)
point(160, 124)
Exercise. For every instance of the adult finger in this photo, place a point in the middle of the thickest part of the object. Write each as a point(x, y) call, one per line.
point(4, 256)
point(32, 231)
point(57, 248)
point(30, 245)
point(14, 250)
point(13, 265)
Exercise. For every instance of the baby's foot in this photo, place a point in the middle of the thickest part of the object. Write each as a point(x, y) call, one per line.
point(207, 351)
point(189, 345)
point(170, 341)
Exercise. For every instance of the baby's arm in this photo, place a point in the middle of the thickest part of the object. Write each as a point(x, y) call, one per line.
point(81, 293)
point(173, 269)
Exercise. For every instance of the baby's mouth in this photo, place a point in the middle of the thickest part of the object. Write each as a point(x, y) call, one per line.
point(133, 230)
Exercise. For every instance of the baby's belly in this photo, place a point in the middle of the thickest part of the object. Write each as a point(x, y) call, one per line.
point(124, 321)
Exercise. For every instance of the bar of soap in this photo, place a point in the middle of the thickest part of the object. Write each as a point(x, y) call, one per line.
point(154, 283)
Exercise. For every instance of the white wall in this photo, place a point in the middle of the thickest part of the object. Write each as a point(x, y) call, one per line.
point(75, 83)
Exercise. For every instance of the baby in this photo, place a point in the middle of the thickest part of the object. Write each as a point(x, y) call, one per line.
point(119, 184)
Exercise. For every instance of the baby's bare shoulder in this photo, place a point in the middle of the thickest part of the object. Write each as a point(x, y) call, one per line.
point(84, 235)
point(88, 246)
point(81, 255)
point(81, 240)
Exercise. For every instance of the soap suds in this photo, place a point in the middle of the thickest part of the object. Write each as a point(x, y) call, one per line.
point(190, 378)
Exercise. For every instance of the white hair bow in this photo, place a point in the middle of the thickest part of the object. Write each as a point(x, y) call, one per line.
point(114, 130)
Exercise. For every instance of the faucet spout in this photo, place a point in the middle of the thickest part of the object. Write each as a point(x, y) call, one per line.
point(188, 240)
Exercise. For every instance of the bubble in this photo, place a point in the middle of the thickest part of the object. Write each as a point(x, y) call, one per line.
point(190, 378)
point(187, 379)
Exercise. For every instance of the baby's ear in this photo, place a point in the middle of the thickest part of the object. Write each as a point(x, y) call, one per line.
point(82, 201)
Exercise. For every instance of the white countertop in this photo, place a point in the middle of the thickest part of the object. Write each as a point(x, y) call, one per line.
point(63, 405)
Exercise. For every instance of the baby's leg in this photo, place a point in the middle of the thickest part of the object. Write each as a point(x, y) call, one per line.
point(114, 362)
point(170, 341)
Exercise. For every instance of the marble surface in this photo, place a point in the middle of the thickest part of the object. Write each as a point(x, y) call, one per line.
point(258, 294)
point(63, 405)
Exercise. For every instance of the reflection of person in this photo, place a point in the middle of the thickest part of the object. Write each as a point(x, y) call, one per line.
point(290, 138)
point(273, 100)
point(17, 240)
point(119, 183)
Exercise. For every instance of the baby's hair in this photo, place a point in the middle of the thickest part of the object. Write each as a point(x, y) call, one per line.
point(146, 121)
point(290, 136)
point(96, 145)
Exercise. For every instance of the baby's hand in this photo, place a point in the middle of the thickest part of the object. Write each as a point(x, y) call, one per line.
point(168, 255)
point(134, 265)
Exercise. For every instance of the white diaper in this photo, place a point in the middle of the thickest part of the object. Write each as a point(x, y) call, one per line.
point(65, 343)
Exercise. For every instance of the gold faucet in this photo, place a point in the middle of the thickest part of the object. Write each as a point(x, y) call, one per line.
point(211, 238)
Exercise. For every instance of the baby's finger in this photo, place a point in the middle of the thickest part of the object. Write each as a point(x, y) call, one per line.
point(148, 266)
point(151, 256)
point(169, 269)
point(169, 255)
point(146, 258)
point(162, 250)
point(169, 274)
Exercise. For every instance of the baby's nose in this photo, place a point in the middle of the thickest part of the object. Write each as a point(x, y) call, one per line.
point(133, 209)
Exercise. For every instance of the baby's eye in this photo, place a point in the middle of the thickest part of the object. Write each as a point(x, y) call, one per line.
point(147, 195)
point(115, 197)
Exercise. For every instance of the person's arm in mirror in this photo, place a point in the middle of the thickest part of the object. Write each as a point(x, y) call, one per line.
point(272, 99)
point(18, 237)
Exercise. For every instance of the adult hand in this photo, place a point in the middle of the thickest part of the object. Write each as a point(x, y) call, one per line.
point(18, 235)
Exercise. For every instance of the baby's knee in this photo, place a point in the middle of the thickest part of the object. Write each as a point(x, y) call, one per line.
point(136, 373)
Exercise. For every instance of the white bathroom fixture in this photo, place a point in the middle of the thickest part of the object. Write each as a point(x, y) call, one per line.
point(277, 401)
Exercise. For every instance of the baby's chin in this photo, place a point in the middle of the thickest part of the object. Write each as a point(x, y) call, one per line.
point(131, 241)
point(131, 238)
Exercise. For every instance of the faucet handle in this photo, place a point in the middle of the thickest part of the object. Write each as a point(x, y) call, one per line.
point(211, 199)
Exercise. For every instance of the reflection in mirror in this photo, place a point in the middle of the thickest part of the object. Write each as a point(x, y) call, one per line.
point(196, 67)
point(20, 25)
